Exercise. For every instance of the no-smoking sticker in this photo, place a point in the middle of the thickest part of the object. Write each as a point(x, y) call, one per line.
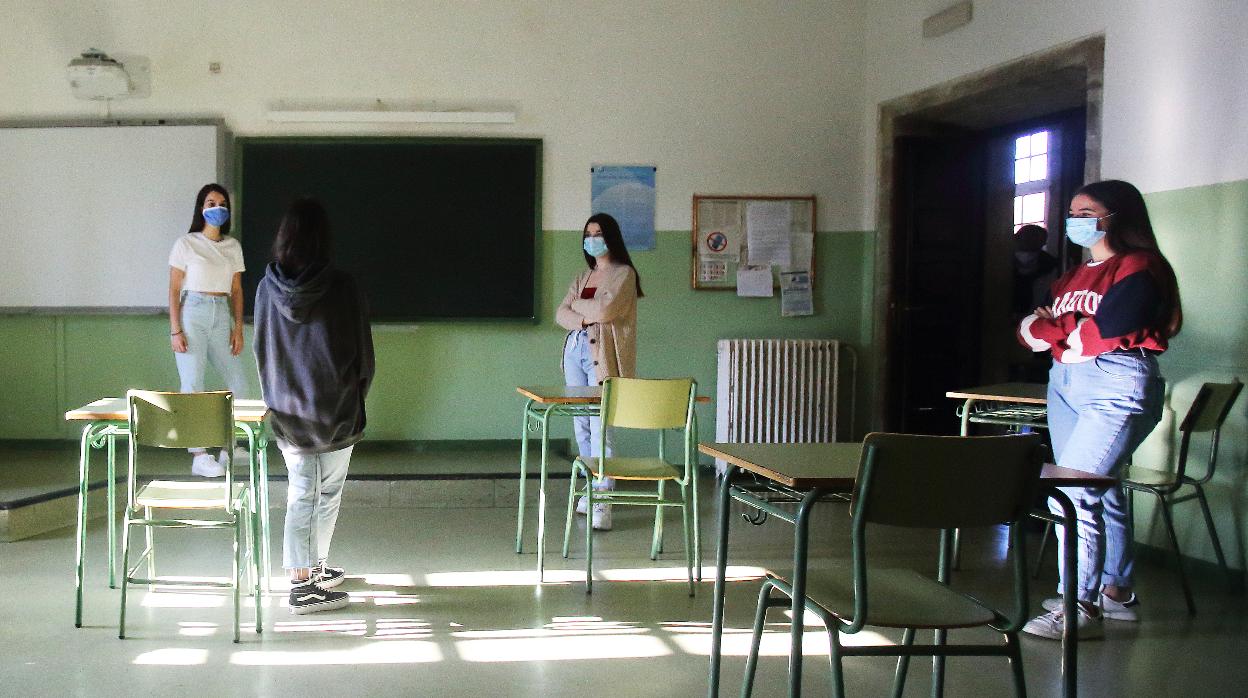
point(716, 241)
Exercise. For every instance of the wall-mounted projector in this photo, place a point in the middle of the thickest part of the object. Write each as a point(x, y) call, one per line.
point(94, 75)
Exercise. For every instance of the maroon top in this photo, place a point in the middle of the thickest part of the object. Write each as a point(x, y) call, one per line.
point(588, 292)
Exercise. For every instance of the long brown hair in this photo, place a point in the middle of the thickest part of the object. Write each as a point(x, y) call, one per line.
point(1129, 228)
point(615, 244)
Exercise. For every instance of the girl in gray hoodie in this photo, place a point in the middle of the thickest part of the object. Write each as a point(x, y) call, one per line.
point(314, 348)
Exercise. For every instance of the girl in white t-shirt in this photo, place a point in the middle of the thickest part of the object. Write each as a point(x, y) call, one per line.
point(206, 306)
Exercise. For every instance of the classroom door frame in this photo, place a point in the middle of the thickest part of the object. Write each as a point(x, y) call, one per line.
point(1017, 88)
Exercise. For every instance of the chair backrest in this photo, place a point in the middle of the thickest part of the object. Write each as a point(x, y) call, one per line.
point(1208, 412)
point(1211, 406)
point(647, 403)
point(947, 482)
point(181, 420)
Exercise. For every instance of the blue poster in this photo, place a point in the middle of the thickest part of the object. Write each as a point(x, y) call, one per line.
point(627, 193)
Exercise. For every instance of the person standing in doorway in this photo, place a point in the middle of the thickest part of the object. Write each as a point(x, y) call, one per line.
point(1110, 318)
point(206, 308)
point(314, 348)
point(600, 314)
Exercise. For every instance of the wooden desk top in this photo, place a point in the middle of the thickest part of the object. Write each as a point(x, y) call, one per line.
point(115, 409)
point(1026, 393)
point(835, 465)
point(801, 466)
point(569, 395)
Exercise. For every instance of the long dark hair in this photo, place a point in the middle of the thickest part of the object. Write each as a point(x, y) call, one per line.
point(197, 218)
point(1128, 229)
point(303, 238)
point(615, 245)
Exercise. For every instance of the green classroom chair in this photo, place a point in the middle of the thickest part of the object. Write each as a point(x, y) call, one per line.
point(651, 404)
point(181, 421)
point(1207, 414)
point(930, 482)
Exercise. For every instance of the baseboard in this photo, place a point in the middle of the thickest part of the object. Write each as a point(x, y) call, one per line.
point(1195, 567)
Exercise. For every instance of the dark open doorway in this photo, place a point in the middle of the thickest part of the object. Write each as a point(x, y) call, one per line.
point(964, 167)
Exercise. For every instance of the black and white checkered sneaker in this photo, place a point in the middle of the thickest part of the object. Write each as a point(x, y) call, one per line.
point(310, 597)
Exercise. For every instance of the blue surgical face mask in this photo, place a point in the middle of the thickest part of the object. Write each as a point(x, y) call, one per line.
point(217, 215)
point(1083, 232)
point(595, 246)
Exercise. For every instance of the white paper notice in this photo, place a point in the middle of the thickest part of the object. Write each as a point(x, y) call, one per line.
point(754, 282)
point(709, 272)
point(719, 231)
point(802, 252)
point(795, 295)
point(768, 226)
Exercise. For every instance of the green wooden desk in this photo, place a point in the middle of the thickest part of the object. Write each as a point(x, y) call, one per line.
point(806, 473)
point(108, 418)
point(541, 403)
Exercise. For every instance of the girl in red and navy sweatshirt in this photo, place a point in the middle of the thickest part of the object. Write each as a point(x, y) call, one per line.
point(1110, 318)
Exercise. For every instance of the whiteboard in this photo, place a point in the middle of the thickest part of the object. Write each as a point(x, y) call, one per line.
point(88, 214)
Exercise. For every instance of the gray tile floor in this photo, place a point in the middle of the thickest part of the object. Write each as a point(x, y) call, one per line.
point(442, 605)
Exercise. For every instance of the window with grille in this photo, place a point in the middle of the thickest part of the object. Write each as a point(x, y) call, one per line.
point(1034, 162)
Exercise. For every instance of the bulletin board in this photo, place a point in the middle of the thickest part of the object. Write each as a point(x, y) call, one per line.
point(722, 240)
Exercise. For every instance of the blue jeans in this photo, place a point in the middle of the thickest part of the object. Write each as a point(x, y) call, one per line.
point(206, 320)
point(578, 370)
point(1100, 411)
point(313, 494)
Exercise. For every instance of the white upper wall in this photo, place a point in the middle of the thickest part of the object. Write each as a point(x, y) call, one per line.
point(1174, 100)
point(742, 97)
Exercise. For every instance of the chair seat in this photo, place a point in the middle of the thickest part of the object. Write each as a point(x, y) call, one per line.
point(634, 468)
point(896, 598)
point(178, 494)
point(1135, 475)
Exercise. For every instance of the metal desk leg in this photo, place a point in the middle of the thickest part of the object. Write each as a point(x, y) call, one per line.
point(262, 461)
point(964, 431)
point(697, 517)
point(721, 570)
point(1070, 565)
point(524, 465)
point(84, 469)
point(112, 510)
point(541, 497)
point(801, 544)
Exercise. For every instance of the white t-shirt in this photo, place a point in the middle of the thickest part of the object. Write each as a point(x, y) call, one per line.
point(209, 266)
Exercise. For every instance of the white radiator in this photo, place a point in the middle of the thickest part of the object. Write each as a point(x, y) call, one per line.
point(781, 391)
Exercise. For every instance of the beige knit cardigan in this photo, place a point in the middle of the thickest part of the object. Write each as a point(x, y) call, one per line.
point(611, 316)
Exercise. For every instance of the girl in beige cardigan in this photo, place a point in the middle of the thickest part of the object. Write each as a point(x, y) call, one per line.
point(600, 314)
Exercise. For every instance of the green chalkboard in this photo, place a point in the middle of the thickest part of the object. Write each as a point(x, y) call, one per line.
point(431, 228)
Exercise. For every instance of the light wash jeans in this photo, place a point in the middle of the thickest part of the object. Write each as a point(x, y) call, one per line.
point(206, 321)
point(313, 494)
point(206, 324)
point(1100, 411)
point(578, 370)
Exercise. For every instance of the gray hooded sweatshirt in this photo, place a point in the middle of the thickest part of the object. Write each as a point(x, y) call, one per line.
point(314, 348)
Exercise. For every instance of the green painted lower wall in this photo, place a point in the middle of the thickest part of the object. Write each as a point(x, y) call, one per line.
point(1204, 233)
point(450, 380)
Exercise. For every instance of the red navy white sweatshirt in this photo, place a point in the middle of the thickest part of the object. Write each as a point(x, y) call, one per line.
point(1100, 307)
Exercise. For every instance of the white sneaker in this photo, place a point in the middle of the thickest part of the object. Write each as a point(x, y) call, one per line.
point(1051, 624)
point(601, 520)
point(205, 465)
point(241, 457)
point(1128, 610)
point(582, 504)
